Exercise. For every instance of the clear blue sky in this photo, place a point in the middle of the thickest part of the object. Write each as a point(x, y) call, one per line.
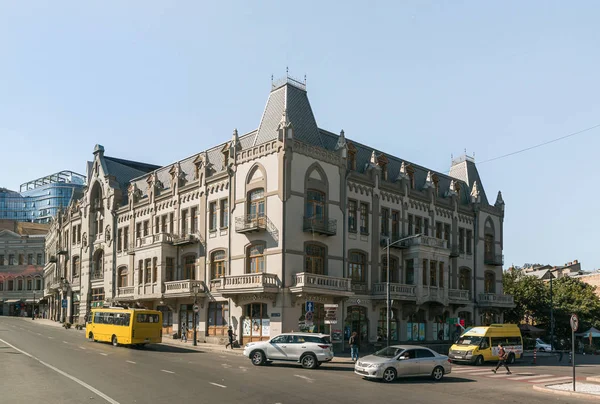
point(157, 81)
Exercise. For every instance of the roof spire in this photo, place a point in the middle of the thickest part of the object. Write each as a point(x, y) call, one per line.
point(428, 181)
point(475, 198)
point(402, 174)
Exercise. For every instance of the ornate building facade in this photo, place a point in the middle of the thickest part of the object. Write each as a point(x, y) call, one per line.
point(257, 227)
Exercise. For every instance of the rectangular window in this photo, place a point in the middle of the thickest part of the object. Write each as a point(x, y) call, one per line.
point(169, 269)
point(461, 240)
point(352, 216)
point(154, 270)
point(39, 259)
point(184, 215)
point(171, 223)
point(447, 235)
point(410, 225)
point(11, 259)
point(163, 224)
point(385, 222)
point(119, 240)
point(97, 298)
point(78, 233)
point(146, 227)
point(29, 259)
point(138, 230)
point(126, 238)
point(212, 216)
point(140, 272)
point(441, 275)
point(2, 260)
point(74, 240)
point(433, 273)
point(148, 271)
point(38, 284)
point(21, 259)
point(418, 224)
point(224, 211)
point(395, 225)
point(424, 272)
point(426, 227)
point(438, 230)
point(194, 227)
point(156, 225)
point(364, 218)
point(410, 272)
point(1, 286)
point(469, 240)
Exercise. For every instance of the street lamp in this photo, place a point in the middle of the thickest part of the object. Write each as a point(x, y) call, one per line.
point(64, 287)
point(33, 307)
point(388, 294)
point(196, 290)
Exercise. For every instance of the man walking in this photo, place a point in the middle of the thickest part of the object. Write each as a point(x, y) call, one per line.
point(183, 331)
point(231, 336)
point(353, 342)
point(502, 356)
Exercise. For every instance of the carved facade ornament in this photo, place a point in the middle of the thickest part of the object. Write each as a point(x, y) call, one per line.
point(177, 176)
point(341, 143)
point(134, 193)
point(452, 191)
point(475, 195)
point(402, 174)
point(198, 164)
point(428, 181)
point(499, 201)
point(285, 129)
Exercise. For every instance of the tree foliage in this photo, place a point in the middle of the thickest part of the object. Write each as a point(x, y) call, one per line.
point(529, 293)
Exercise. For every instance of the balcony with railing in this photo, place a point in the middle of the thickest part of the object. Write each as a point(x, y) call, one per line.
point(459, 296)
point(251, 223)
point(425, 241)
point(320, 225)
point(184, 288)
point(398, 291)
point(185, 238)
point(305, 282)
point(126, 292)
point(493, 259)
point(495, 300)
point(432, 294)
point(248, 283)
point(361, 288)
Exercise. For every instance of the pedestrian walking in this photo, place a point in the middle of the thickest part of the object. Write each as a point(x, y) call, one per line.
point(502, 356)
point(231, 336)
point(183, 332)
point(353, 342)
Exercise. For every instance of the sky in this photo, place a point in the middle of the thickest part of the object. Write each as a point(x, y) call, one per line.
point(157, 81)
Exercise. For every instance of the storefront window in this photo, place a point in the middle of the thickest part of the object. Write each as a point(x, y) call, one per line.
point(218, 317)
point(256, 325)
point(382, 325)
point(441, 328)
point(356, 320)
point(415, 328)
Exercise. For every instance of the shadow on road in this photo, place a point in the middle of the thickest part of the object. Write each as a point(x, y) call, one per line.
point(424, 380)
point(169, 349)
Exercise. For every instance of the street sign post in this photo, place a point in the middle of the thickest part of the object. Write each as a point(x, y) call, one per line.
point(310, 306)
point(196, 308)
point(331, 319)
point(574, 327)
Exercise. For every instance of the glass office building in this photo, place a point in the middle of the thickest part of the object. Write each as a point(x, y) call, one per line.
point(39, 200)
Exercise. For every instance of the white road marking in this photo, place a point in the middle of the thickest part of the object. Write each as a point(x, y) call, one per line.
point(166, 371)
point(478, 372)
point(65, 342)
point(130, 362)
point(501, 375)
point(243, 369)
point(528, 377)
point(50, 337)
point(225, 365)
point(218, 385)
point(308, 379)
point(103, 354)
point(83, 348)
point(555, 379)
point(38, 333)
point(467, 370)
point(221, 356)
point(65, 374)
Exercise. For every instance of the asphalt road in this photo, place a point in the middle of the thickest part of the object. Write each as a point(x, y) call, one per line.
point(41, 362)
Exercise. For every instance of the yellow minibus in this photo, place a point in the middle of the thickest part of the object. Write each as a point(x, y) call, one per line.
point(122, 326)
point(480, 344)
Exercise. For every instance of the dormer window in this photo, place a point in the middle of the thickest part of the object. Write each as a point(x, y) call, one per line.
point(225, 151)
point(351, 160)
point(436, 183)
point(382, 162)
point(410, 171)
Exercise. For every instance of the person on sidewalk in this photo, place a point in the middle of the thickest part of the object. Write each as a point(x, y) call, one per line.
point(353, 342)
point(502, 356)
point(183, 332)
point(231, 336)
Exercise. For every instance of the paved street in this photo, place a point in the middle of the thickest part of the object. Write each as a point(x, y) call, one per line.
point(60, 366)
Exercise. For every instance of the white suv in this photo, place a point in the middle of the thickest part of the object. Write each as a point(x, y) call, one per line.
point(542, 346)
point(307, 348)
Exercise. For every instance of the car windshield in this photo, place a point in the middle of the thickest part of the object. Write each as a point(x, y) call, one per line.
point(468, 340)
point(540, 341)
point(388, 352)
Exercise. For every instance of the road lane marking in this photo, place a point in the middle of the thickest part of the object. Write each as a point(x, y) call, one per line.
point(83, 348)
point(130, 362)
point(218, 385)
point(308, 379)
point(528, 377)
point(554, 379)
point(65, 342)
point(225, 365)
point(65, 374)
point(50, 337)
point(244, 369)
point(466, 370)
point(166, 371)
point(501, 375)
point(38, 333)
point(103, 354)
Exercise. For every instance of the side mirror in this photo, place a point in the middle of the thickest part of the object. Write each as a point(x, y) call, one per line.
point(401, 358)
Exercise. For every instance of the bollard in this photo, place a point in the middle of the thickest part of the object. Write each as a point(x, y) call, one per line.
point(534, 356)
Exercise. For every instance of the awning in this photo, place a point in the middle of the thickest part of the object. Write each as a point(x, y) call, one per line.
point(12, 301)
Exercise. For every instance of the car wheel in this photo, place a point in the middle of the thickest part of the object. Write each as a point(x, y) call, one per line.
point(479, 361)
point(389, 375)
point(257, 358)
point(91, 337)
point(511, 359)
point(114, 340)
point(438, 373)
point(309, 361)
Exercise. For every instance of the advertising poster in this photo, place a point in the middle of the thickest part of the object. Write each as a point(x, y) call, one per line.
point(266, 327)
point(247, 328)
point(409, 332)
point(422, 332)
point(330, 313)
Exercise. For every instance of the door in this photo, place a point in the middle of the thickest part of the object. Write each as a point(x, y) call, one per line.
point(278, 347)
point(256, 208)
point(426, 360)
point(408, 363)
point(485, 349)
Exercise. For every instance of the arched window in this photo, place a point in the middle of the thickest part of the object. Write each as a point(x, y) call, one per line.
point(314, 259)
point(217, 264)
point(357, 267)
point(394, 274)
point(315, 205)
point(489, 285)
point(76, 267)
point(123, 273)
point(256, 259)
point(256, 204)
point(464, 279)
point(489, 241)
point(189, 267)
point(98, 272)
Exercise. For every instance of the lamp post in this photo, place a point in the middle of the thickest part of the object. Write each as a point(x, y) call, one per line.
point(551, 315)
point(64, 287)
point(196, 289)
point(33, 307)
point(388, 293)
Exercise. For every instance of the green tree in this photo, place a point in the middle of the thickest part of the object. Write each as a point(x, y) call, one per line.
point(572, 296)
point(530, 295)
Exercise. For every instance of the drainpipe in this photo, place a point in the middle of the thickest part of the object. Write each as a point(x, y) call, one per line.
point(114, 253)
point(475, 245)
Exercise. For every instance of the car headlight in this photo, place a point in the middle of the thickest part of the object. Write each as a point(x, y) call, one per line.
point(469, 353)
point(375, 365)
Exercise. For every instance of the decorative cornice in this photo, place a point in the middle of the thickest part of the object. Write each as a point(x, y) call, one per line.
point(258, 151)
point(317, 153)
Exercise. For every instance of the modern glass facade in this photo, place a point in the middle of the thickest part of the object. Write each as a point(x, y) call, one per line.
point(39, 200)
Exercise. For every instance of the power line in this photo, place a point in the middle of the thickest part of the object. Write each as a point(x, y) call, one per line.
point(540, 145)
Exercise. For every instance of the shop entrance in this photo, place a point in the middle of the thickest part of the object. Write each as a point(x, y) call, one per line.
point(256, 325)
point(356, 320)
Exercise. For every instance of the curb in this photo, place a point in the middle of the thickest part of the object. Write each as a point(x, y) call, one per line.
point(545, 389)
point(594, 379)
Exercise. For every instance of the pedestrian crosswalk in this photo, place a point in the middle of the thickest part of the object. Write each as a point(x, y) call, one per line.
point(516, 375)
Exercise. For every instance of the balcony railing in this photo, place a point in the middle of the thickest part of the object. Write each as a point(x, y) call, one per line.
point(425, 241)
point(493, 299)
point(125, 291)
point(97, 275)
point(320, 225)
point(183, 239)
point(493, 259)
point(184, 287)
point(360, 287)
point(249, 282)
point(322, 282)
point(251, 222)
point(459, 295)
point(396, 290)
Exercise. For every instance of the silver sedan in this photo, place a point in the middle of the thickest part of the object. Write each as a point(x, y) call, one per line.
point(403, 361)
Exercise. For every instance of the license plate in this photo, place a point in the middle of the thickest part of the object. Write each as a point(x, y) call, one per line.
point(458, 356)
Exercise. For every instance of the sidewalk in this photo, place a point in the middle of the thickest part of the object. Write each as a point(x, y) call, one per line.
point(51, 323)
point(202, 346)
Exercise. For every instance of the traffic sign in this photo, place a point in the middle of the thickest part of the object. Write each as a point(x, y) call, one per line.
point(308, 316)
point(574, 322)
point(310, 306)
point(196, 308)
